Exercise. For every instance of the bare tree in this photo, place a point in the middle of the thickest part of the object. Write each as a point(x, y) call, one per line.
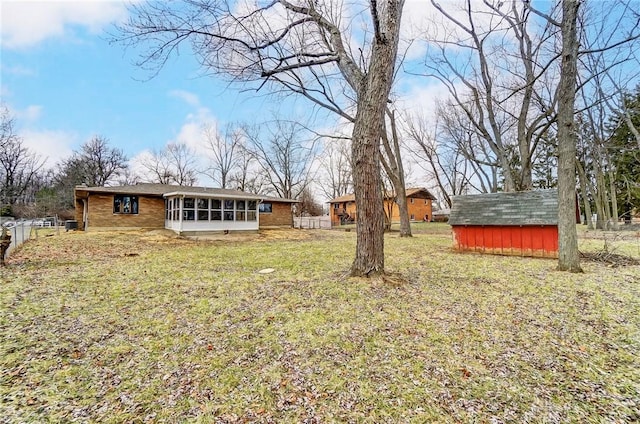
point(444, 163)
point(305, 48)
point(391, 160)
point(98, 163)
point(19, 166)
point(283, 155)
point(94, 164)
point(568, 255)
point(175, 164)
point(223, 148)
point(335, 179)
point(493, 66)
point(248, 175)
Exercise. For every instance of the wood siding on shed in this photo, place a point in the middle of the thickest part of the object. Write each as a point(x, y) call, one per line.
point(532, 241)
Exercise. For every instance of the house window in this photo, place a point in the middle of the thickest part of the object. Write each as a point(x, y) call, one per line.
point(266, 207)
point(252, 205)
point(413, 217)
point(412, 200)
point(188, 209)
point(426, 201)
point(336, 206)
point(203, 209)
point(216, 210)
point(125, 204)
point(241, 213)
point(228, 212)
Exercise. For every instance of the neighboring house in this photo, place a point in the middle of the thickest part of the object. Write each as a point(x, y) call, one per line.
point(343, 209)
point(185, 210)
point(520, 223)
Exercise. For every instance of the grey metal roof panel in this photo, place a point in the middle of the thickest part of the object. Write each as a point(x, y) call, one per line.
point(538, 207)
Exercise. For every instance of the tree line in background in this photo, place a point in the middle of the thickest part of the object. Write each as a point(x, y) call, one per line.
point(536, 99)
point(274, 159)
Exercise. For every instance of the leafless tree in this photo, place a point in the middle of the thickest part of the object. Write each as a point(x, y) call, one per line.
point(97, 162)
point(308, 205)
point(175, 164)
point(306, 48)
point(568, 255)
point(223, 148)
point(445, 163)
point(283, 155)
point(335, 177)
point(613, 33)
point(391, 160)
point(248, 175)
point(493, 61)
point(18, 165)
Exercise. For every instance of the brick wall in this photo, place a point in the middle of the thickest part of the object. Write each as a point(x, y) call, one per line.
point(280, 216)
point(419, 209)
point(150, 213)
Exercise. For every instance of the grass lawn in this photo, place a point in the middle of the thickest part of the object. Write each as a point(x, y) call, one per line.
point(143, 327)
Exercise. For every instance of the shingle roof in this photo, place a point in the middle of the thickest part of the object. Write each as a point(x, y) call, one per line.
point(519, 208)
point(151, 189)
point(419, 192)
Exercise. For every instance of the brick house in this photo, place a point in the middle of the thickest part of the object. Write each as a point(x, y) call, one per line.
point(185, 210)
point(419, 203)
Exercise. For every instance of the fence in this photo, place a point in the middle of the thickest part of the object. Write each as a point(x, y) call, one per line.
point(312, 222)
point(22, 231)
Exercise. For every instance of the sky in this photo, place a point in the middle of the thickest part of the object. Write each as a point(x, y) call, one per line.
point(65, 83)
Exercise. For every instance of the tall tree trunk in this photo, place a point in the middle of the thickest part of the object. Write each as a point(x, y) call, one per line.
point(373, 94)
point(582, 178)
point(604, 214)
point(392, 163)
point(568, 255)
point(614, 200)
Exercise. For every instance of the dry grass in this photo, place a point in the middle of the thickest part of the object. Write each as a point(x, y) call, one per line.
point(141, 327)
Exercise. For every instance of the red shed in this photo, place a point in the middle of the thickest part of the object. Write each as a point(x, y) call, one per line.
point(521, 223)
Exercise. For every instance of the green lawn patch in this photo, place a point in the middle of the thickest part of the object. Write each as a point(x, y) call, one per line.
point(142, 327)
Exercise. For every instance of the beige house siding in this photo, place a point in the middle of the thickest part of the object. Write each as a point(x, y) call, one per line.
point(280, 216)
point(100, 213)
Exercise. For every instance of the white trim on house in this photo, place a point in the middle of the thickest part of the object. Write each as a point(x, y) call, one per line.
point(206, 195)
point(188, 220)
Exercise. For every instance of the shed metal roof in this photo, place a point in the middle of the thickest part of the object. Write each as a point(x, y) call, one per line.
point(518, 208)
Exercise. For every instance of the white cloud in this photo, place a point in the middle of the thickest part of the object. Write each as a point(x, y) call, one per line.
point(27, 23)
point(18, 70)
point(186, 96)
point(136, 165)
point(30, 114)
point(50, 145)
point(191, 131)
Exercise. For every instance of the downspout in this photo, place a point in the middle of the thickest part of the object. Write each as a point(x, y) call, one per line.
point(181, 203)
point(85, 213)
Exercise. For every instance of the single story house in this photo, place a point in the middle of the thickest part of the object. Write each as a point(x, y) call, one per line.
point(419, 202)
point(516, 223)
point(185, 210)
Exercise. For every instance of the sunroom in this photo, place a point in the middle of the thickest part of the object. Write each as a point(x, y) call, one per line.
point(191, 213)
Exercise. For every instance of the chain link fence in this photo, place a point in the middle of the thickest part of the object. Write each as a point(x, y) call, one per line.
point(22, 231)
